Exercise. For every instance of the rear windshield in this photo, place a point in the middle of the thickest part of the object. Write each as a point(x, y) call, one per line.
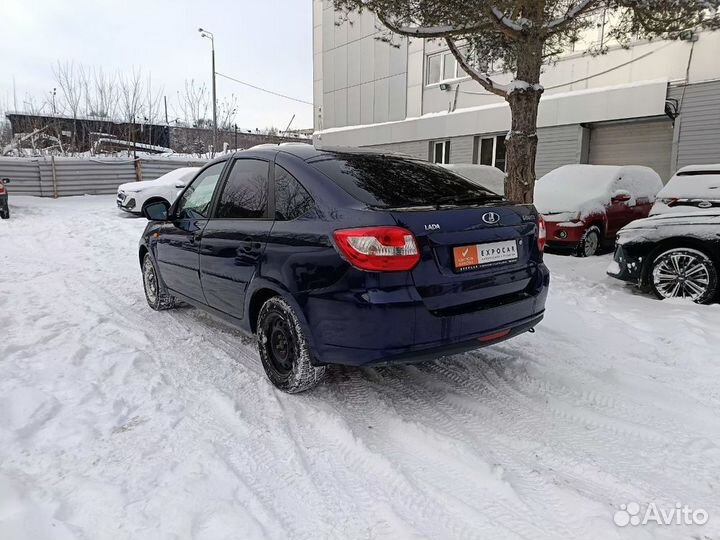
point(395, 182)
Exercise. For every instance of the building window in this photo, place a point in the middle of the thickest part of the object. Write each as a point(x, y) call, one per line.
point(443, 67)
point(440, 152)
point(434, 68)
point(490, 151)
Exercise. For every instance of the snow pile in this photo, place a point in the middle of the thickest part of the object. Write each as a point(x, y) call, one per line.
point(582, 190)
point(521, 86)
point(119, 422)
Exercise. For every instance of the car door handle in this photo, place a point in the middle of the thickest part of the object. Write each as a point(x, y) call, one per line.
point(195, 238)
point(249, 245)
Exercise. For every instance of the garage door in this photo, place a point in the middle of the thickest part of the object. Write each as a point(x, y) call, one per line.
point(646, 143)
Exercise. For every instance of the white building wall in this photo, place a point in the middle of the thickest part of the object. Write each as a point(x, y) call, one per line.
point(358, 78)
point(369, 93)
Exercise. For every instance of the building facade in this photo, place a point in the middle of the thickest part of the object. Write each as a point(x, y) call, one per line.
point(656, 103)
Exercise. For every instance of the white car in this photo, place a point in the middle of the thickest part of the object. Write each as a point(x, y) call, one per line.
point(485, 176)
point(134, 196)
point(695, 187)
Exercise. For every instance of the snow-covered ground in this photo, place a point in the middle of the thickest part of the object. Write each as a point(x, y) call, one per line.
point(118, 422)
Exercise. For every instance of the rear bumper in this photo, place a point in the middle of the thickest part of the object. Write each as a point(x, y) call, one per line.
point(396, 327)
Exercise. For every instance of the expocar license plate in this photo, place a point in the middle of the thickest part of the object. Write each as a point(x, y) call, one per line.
point(473, 256)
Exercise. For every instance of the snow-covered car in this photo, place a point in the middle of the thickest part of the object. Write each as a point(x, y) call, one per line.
point(676, 255)
point(133, 197)
point(4, 206)
point(695, 187)
point(584, 206)
point(485, 176)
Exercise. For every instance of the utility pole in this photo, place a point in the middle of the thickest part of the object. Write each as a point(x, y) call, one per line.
point(235, 127)
point(211, 37)
point(166, 116)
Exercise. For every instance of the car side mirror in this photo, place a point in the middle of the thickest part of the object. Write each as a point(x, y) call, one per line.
point(5, 180)
point(156, 212)
point(621, 196)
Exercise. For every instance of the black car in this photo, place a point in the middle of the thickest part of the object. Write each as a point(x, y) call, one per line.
point(675, 255)
point(4, 207)
point(346, 257)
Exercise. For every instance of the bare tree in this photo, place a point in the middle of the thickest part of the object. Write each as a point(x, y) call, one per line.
point(227, 109)
point(522, 35)
point(101, 94)
point(70, 80)
point(132, 95)
point(132, 101)
point(193, 103)
point(153, 101)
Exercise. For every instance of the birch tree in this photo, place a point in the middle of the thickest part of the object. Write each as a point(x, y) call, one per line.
point(522, 36)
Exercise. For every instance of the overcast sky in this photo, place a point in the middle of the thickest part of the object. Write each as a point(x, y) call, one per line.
point(265, 42)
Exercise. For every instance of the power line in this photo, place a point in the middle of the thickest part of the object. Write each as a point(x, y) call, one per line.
point(585, 78)
point(263, 89)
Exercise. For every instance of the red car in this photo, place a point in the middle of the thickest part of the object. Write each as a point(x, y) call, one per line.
point(584, 206)
point(4, 206)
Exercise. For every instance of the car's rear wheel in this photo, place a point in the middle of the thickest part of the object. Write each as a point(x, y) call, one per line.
point(590, 243)
point(156, 293)
point(684, 273)
point(284, 350)
point(5, 213)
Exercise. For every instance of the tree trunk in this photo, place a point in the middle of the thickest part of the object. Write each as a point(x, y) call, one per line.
point(522, 140)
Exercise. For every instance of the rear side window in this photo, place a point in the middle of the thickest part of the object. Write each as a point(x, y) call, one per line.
point(394, 182)
point(245, 193)
point(291, 199)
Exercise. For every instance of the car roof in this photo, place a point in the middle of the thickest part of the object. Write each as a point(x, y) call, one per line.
point(712, 168)
point(308, 152)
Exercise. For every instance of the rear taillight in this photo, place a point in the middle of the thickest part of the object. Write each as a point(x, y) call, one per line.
point(542, 233)
point(2, 188)
point(380, 249)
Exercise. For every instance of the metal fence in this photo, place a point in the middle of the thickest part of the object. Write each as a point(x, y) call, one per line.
point(64, 176)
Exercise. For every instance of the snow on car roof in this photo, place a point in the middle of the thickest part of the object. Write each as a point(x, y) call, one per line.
point(177, 174)
point(714, 167)
point(692, 182)
point(588, 188)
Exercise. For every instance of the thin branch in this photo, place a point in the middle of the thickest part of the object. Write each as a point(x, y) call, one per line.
point(518, 26)
point(573, 11)
point(485, 81)
point(428, 31)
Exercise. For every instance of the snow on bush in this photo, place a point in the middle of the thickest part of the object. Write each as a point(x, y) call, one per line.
point(582, 190)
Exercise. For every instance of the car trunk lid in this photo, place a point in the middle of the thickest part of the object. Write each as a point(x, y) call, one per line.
point(472, 254)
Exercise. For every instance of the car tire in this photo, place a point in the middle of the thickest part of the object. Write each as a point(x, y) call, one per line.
point(284, 350)
point(5, 213)
point(683, 272)
point(590, 243)
point(156, 293)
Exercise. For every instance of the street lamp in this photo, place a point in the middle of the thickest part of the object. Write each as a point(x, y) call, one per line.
point(211, 37)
